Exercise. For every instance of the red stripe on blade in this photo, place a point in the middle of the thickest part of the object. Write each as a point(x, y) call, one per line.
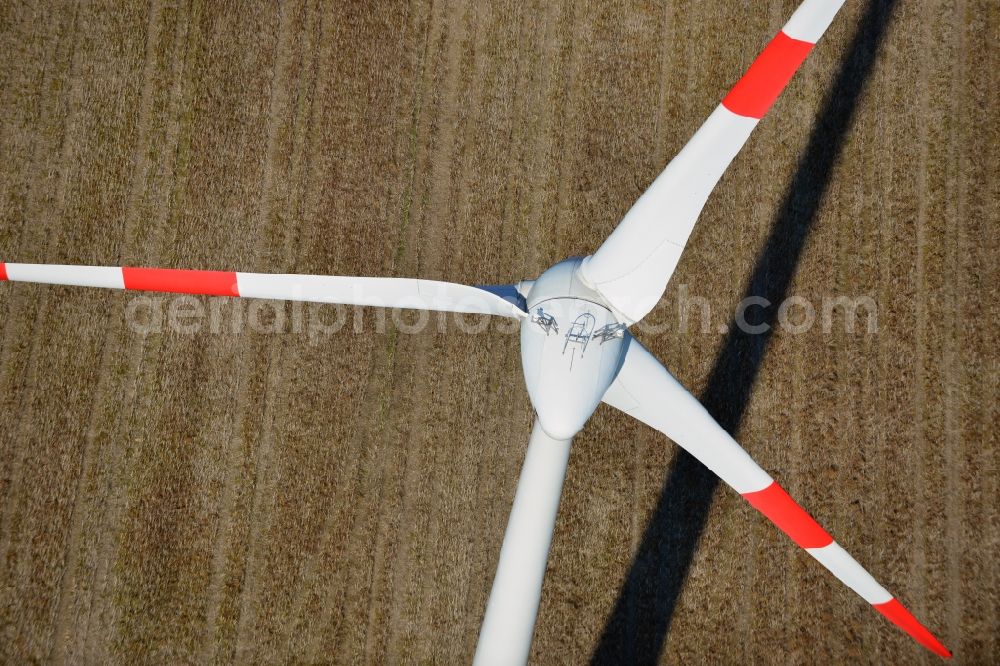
point(3, 271)
point(902, 618)
point(790, 518)
point(754, 94)
point(212, 283)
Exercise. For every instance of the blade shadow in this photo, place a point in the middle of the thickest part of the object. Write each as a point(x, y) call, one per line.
point(636, 630)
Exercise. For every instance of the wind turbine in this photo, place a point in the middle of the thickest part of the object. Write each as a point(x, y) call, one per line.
point(576, 348)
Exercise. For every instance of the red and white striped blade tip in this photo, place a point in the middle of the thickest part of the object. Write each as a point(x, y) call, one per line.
point(779, 507)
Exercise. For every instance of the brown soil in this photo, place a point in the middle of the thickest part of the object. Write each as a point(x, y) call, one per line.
point(221, 497)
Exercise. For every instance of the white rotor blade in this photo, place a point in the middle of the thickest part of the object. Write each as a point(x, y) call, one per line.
point(379, 292)
point(646, 390)
point(631, 269)
point(505, 637)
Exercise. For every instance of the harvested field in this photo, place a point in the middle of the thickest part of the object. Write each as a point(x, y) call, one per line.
point(260, 488)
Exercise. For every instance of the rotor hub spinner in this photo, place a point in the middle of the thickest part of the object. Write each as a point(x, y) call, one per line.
point(571, 348)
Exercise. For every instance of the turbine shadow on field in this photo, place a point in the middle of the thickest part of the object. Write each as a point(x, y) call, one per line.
point(636, 630)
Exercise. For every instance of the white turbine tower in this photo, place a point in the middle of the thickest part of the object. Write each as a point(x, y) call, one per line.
point(576, 349)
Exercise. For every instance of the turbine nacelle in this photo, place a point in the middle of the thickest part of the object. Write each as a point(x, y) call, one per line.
point(571, 349)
